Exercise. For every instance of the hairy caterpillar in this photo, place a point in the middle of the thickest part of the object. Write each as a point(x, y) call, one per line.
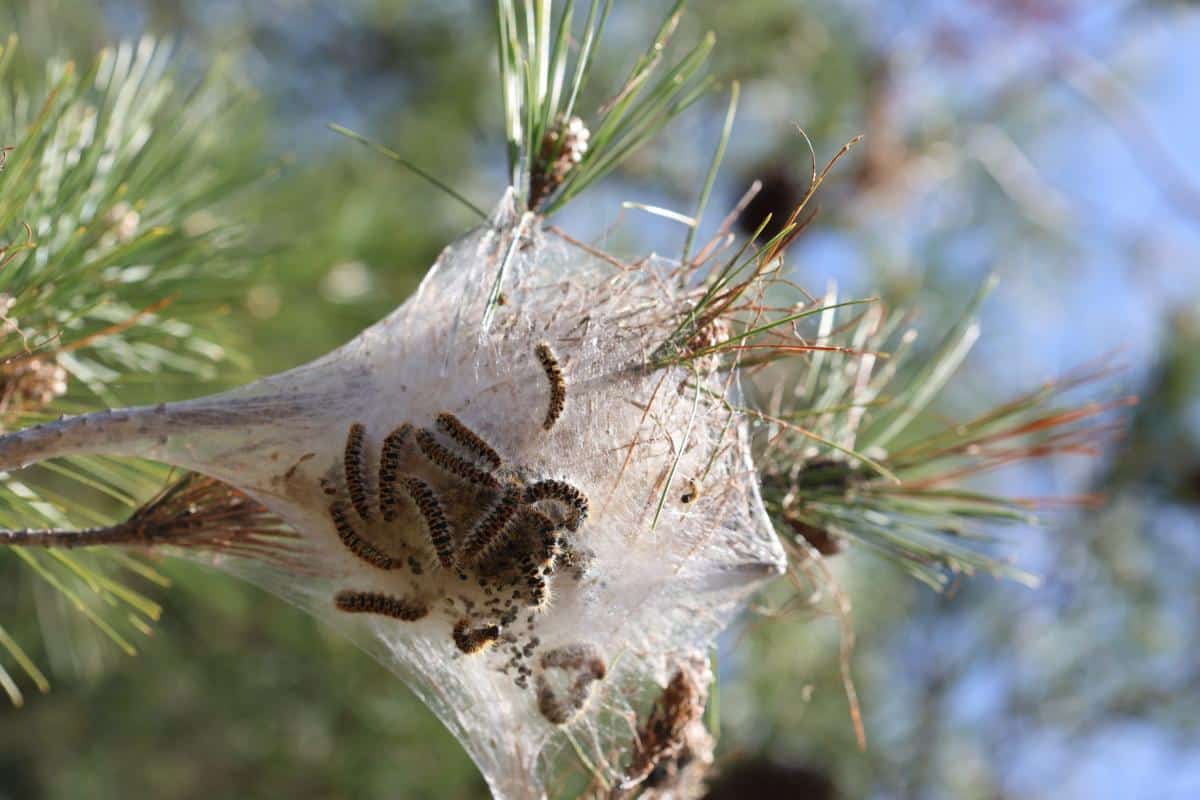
point(356, 470)
point(389, 464)
point(402, 608)
point(537, 562)
point(564, 493)
point(472, 640)
point(447, 461)
point(435, 518)
point(491, 526)
point(355, 543)
point(558, 386)
point(470, 441)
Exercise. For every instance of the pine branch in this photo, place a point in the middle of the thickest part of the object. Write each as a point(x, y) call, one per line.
point(113, 258)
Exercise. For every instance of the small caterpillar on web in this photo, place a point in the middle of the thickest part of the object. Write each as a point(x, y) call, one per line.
point(558, 386)
point(564, 493)
point(470, 441)
point(491, 526)
point(355, 543)
point(389, 464)
point(452, 464)
point(402, 608)
point(435, 518)
point(537, 562)
point(471, 640)
point(356, 470)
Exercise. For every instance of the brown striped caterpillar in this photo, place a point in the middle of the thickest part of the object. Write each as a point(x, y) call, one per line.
point(389, 464)
point(452, 464)
point(356, 470)
point(537, 561)
point(402, 608)
point(536, 585)
point(489, 529)
point(472, 640)
point(558, 386)
point(355, 543)
point(561, 492)
point(435, 518)
point(466, 438)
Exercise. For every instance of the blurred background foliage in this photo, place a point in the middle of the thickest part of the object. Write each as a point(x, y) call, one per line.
point(1050, 142)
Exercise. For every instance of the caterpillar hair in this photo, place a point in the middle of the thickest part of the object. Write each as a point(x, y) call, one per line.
point(402, 608)
point(435, 518)
point(466, 438)
point(558, 386)
point(561, 492)
point(490, 528)
point(472, 640)
point(452, 464)
point(356, 470)
point(537, 564)
point(389, 465)
point(355, 543)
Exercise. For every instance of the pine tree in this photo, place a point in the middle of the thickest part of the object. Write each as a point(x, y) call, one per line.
point(113, 251)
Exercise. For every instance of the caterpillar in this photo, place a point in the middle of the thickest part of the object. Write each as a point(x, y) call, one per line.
point(435, 518)
point(558, 386)
point(355, 543)
point(691, 493)
point(564, 493)
point(389, 464)
point(402, 608)
point(472, 640)
point(452, 464)
point(470, 441)
point(491, 526)
point(537, 562)
point(355, 467)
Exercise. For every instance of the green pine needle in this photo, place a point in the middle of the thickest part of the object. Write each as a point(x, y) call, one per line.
point(113, 254)
point(535, 62)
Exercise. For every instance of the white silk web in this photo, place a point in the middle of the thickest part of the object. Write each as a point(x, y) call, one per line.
point(633, 530)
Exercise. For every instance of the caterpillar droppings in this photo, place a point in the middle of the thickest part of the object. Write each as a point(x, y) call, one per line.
point(581, 666)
